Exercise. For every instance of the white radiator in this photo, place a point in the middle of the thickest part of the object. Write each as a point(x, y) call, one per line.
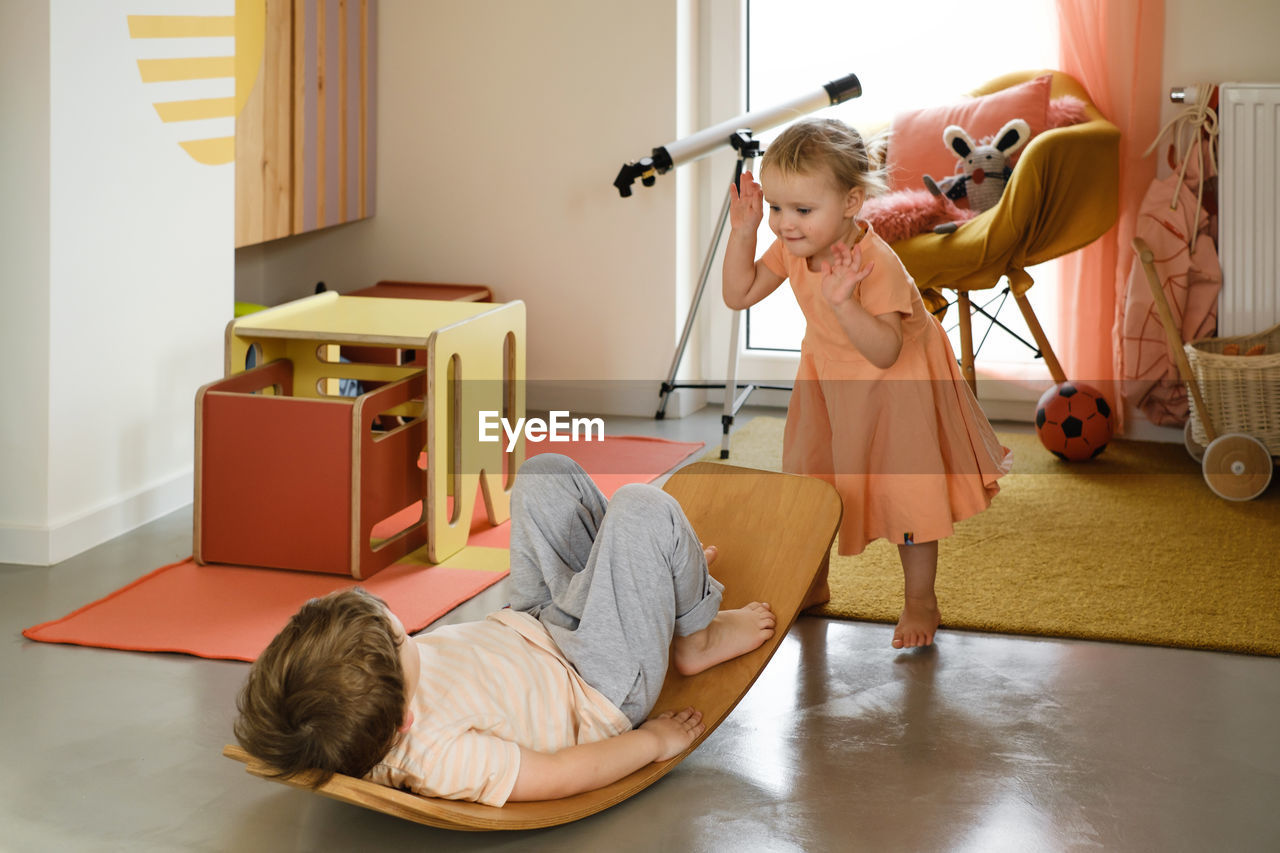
point(1249, 207)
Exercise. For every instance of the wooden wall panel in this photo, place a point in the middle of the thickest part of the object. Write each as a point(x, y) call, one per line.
point(334, 111)
point(277, 166)
point(249, 130)
point(304, 140)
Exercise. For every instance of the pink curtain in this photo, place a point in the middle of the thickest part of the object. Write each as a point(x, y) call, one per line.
point(1116, 50)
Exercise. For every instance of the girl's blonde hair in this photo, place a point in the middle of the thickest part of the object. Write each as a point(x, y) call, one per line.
point(816, 144)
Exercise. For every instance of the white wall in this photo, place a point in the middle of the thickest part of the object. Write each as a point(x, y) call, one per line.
point(24, 265)
point(501, 126)
point(132, 254)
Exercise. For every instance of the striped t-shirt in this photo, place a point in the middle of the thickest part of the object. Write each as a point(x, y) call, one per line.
point(488, 688)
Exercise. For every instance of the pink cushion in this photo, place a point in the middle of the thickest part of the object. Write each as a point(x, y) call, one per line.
point(916, 147)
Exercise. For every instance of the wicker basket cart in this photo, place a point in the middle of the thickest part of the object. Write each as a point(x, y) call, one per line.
point(1234, 428)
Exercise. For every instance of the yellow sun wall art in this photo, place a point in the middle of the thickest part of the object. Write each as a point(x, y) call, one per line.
point(190, 66)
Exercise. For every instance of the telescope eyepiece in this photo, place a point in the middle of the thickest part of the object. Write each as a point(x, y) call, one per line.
point(845, 88)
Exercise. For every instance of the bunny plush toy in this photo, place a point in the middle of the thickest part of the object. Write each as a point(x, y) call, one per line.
point(983, 169)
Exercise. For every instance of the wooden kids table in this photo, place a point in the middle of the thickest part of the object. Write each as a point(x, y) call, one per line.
point(290, 474)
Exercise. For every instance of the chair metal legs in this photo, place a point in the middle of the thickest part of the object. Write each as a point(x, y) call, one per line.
point(1045, 350)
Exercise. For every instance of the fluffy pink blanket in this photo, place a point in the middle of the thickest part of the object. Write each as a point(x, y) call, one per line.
point(906, 213)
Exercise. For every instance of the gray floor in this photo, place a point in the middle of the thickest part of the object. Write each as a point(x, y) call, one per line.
point(985, 743)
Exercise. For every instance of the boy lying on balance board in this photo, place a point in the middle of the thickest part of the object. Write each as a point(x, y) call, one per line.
point(545, 699)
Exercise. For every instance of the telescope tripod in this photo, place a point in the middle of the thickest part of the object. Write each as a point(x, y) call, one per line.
point(735, 395)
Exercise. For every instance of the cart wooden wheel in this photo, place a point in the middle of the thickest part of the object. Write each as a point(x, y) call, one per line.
point(1237, 467)
point(1195, 448)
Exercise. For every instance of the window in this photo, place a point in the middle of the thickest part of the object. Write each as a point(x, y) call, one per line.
point(906, 55)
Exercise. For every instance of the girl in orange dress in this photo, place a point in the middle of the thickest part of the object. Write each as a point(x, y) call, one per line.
point(879, 409)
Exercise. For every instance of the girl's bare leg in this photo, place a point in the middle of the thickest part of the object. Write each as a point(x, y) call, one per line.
point(820, 592)
point(920, 615)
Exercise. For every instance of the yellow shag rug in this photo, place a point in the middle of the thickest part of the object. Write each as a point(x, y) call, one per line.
point(1130, 547)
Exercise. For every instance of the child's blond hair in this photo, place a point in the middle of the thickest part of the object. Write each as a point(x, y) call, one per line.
point(328, 694)
point(812, 145)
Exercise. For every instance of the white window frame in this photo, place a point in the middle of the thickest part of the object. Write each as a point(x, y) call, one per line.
point(725, 29)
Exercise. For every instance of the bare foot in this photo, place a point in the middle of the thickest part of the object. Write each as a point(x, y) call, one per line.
point(730, 634)
point(711, 552)
point(919, 621)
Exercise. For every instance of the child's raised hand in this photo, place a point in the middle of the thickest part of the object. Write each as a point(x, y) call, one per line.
point(675, 731)
point(843, 275)
point(746, 204)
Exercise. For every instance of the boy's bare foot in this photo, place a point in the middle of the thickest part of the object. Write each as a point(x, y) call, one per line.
point(730, 634)
point(919, 620)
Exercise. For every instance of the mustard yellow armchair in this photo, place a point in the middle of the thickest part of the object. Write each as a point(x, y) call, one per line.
point(1063, 194)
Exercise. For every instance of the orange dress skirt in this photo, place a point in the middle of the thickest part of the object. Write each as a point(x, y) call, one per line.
point(907, 447)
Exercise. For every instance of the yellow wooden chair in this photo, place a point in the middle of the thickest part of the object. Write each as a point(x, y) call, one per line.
point(1063, 194)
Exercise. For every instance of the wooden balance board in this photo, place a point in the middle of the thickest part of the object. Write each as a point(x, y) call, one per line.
point(773, 532)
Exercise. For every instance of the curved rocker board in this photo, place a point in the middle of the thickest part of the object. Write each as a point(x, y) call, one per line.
point(773, 532)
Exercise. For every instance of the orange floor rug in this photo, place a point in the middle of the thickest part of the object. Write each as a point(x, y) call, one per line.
point(232, 612)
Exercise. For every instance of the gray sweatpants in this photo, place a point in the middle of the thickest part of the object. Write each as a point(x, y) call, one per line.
point(612, 581)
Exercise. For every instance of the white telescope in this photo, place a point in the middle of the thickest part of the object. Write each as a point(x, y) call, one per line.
point(704, 142)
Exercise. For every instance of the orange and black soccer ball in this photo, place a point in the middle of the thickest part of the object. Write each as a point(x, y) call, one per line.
point(1073, 421)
